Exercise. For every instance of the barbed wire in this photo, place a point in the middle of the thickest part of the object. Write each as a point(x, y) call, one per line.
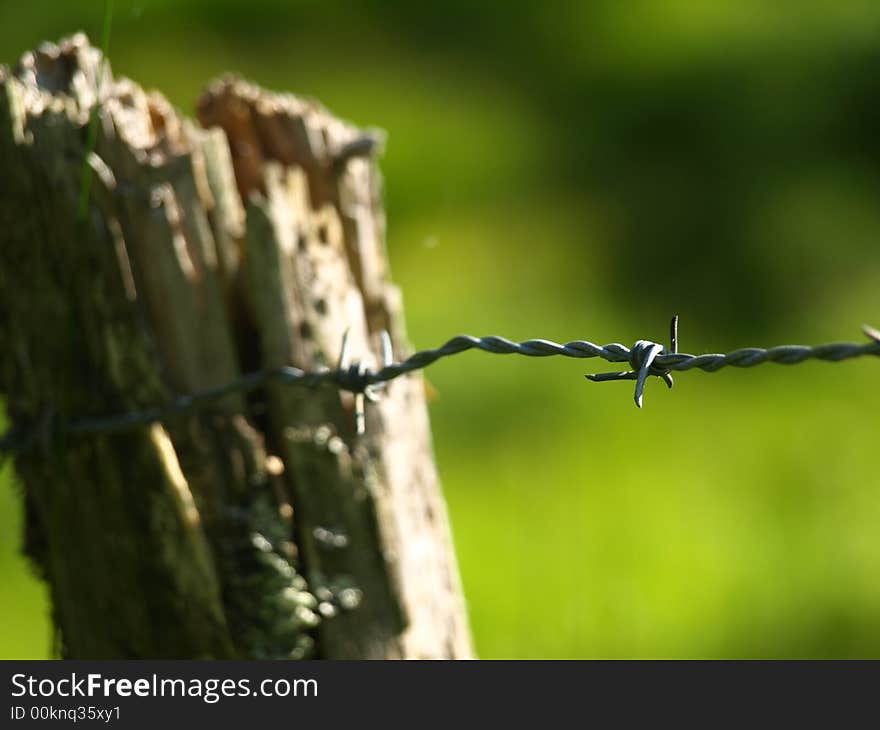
point(644, 357)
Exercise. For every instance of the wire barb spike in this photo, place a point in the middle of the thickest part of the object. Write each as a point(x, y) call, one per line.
point(358, 378)
point(643, 360)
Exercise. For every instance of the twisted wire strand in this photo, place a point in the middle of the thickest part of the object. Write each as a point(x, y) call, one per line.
point(615, 352)
point(360, 380)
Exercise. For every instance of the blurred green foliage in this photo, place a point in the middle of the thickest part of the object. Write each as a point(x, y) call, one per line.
point(576, 169)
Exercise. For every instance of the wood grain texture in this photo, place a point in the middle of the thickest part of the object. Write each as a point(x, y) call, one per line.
point(264, 527)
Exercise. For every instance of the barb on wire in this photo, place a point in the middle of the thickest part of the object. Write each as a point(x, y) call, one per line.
point(645, 358)
point(642, 357)
point(356, 378)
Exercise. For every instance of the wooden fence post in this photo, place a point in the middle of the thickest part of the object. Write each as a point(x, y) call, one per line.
point(264, 526)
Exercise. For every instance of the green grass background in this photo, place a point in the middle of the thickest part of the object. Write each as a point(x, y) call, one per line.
point(575, 170)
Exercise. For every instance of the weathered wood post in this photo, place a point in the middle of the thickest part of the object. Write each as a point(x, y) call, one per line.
point(264, 526)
